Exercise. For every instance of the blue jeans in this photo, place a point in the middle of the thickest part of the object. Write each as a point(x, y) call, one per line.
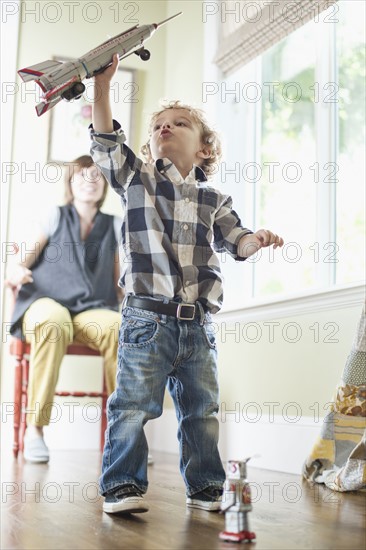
point(156, 350)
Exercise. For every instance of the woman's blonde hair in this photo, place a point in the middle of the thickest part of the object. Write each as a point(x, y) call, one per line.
point(85, 161)
point(209, 137)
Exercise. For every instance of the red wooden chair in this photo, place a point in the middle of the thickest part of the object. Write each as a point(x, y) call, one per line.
point(20, 350)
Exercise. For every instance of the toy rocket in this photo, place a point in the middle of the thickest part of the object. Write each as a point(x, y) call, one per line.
point(63, 80)
point(236, 503)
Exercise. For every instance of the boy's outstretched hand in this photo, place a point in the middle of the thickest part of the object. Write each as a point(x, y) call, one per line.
point(250, 244)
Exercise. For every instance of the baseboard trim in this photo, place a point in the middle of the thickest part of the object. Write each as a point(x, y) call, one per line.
point(274, 444)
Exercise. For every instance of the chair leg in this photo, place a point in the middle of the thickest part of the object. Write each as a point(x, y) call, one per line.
point(18, 382)
point(21, 378)
point(23, 417)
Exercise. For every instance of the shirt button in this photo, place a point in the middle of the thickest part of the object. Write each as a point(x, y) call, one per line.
point(186, 199)
point(185, 227)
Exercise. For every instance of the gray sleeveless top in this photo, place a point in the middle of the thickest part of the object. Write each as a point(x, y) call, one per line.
point(77, 274)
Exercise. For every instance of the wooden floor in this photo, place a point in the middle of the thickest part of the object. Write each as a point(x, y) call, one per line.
point(57, 506)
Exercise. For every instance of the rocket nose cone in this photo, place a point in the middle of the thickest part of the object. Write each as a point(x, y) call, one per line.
point(156, 25)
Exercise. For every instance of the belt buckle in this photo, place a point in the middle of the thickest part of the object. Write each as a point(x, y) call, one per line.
point(179, 312)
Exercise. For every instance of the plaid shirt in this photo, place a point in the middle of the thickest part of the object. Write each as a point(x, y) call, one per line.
point(171, 227)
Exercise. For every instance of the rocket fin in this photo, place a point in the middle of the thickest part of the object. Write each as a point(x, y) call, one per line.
point(35, 71)
point(45, 106)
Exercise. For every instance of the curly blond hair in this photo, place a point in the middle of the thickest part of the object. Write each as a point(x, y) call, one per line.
point(209, 136)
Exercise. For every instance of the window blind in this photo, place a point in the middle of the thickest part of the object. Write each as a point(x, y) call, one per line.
point(248, 28)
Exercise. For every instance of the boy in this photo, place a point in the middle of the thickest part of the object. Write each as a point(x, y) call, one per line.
point(172, 283)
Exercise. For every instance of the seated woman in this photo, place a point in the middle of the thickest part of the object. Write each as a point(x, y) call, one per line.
point(67, 292)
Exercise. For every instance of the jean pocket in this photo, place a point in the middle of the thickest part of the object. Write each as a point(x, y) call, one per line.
point(138, 332)
point(209, 334)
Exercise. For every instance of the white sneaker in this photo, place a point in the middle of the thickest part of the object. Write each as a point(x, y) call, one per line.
point(127, 499)
point(209, 499)
point(150, 459)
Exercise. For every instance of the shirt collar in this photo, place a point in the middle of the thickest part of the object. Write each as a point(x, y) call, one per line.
point(165, 166)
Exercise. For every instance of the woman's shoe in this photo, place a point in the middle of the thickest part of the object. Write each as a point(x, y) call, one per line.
point(35, 450)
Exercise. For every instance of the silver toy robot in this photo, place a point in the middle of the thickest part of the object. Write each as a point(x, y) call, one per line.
point(236, 503)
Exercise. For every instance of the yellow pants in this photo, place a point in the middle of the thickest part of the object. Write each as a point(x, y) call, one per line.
point(50, 328)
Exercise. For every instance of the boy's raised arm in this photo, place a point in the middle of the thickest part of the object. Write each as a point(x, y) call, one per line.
point(102, 113)
point(108, 149)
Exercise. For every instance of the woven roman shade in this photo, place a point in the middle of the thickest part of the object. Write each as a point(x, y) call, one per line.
point(248, 28)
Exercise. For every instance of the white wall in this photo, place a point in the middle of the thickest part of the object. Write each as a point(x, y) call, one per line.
point(70, 35)
point(281, 372)
point(277, 376)
point(184, 53)
point(47, 32)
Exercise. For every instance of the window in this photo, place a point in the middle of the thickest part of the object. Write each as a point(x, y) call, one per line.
point(286, 193)
point(293, 127)
point(351, 153)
